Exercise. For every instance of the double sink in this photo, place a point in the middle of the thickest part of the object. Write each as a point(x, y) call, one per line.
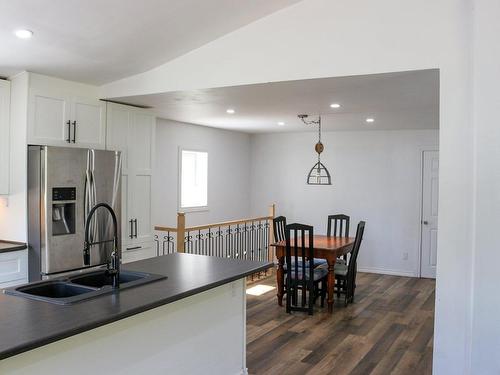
point(65, 291)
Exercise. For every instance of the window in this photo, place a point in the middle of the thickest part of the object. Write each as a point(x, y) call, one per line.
point(193, 179)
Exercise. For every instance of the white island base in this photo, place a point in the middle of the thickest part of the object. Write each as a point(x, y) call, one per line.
point(200, 334)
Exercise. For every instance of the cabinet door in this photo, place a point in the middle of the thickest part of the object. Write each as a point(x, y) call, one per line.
point(127, 230)
point(117, 130)
point(88, 123)
point(141, 142)
point(138, 252)
point(141, 203)
point(49, 114)
point(4, 136)
point(13, 268)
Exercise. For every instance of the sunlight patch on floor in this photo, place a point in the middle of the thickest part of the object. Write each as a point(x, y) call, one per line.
point(259, 290)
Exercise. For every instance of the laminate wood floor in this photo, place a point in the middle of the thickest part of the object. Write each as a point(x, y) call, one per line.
point(387, 330)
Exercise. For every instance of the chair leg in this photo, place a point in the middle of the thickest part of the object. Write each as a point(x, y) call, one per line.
point(323, 292)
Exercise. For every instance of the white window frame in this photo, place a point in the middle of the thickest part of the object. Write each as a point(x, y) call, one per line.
point(179, 177)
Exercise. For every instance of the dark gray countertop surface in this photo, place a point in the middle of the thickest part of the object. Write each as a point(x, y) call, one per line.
point(6, 246)
point(26, 324)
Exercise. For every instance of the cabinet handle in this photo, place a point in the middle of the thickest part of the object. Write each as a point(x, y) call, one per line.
point(69, 131)
point(134, 248)
point(74, 131)
point(131, 221)
point(135, 222)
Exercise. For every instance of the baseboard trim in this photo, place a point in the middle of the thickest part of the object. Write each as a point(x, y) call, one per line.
point(385, 271)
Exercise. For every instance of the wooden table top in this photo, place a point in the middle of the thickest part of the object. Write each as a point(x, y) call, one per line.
point(322, 242)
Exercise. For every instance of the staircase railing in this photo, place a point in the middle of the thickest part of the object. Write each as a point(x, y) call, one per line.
point(238, 239)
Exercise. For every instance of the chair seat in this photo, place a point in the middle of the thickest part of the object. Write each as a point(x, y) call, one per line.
point(318, 274)
point(317, 262)
point(340, 269)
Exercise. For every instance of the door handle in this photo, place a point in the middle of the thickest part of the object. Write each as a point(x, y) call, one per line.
point(134, 248)
point(69, 131)
point(74, 131)
point(131, 235)
point(425, 222)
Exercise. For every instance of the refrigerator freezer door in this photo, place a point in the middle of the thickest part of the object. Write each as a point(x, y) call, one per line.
point(62, 174)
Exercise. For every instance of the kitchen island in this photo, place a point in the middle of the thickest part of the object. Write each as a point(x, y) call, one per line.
point(193, 322)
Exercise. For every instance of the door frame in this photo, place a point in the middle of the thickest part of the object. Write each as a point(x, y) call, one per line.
point(421, 150)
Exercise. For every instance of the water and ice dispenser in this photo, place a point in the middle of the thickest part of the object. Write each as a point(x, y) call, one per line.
point(63, 210)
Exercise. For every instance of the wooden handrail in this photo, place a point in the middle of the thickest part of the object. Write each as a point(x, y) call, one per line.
point(227, 223)
point(206, 226)
point(165, 229)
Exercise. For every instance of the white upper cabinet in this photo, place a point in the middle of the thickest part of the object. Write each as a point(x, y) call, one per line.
point(89, 122)
point(4, 136)
point(62, 113)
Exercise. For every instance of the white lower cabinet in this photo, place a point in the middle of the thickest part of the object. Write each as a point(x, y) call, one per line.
point(138, 251)
point(13, 268)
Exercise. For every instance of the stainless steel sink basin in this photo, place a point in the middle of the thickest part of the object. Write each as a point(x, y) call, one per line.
point(100, 279)
point(56, 291)
point(68, 290)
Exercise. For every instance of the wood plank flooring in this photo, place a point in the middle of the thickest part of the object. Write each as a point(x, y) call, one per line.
point(387, 330)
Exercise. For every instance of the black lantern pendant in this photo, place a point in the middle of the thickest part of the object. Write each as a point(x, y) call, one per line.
point(318, 175)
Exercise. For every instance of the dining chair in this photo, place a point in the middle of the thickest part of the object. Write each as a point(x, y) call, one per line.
point(279, 225)
point(345, 274)
point(302, 275)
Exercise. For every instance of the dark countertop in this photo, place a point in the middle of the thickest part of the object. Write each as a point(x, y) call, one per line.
point(26, 324)
point(6, 246)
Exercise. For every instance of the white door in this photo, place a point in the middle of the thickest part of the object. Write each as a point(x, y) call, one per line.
point(429, 228)
point(49, 119)
point(88, 123)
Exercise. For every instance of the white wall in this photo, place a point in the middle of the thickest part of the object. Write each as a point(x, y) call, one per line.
point(228, 172)
point(324, 38)
point(486, 304)
point(376, 177)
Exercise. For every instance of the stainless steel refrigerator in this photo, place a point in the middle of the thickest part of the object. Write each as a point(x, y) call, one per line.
point(63, 185)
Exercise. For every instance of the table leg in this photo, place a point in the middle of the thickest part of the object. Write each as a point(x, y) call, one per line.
point(331, 284)
point(280, 280)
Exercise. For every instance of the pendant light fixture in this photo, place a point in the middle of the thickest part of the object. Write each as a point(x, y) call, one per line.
point(318, 175)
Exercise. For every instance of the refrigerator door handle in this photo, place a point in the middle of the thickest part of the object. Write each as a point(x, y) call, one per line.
point(74, 131)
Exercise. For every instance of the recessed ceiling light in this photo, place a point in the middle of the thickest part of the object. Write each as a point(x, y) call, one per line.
point(335, 105)
point(230, 111)
point(369, 119)
point(281, 123)
point(23, 33)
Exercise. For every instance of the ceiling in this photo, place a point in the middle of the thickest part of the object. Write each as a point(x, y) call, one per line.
point(403, 100)
point(97, 42)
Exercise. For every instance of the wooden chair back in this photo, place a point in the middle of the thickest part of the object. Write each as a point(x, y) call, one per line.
point(300, 271)
point(279, 225)
point(340, 227)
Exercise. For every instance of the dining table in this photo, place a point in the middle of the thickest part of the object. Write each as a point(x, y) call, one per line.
point(325, 247)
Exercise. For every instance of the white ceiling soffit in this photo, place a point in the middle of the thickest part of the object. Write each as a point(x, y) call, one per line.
point(96, 42)
point(396, 101)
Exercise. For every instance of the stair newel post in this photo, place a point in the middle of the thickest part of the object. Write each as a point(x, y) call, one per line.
point(181, 231)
